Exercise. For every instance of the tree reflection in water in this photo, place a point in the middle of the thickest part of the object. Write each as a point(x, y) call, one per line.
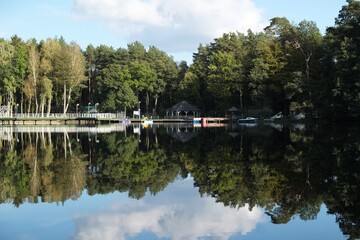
point(288, 171)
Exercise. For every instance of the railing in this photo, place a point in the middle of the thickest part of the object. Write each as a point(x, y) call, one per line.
point(9, 132)
point(67, 115)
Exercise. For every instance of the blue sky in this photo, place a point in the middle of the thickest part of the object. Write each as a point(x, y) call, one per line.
point(175, 26)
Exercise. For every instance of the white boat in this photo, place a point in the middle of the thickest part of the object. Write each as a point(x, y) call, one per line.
point(277, 116)
point(148, 121)
point(299, 116)
point(248, 120)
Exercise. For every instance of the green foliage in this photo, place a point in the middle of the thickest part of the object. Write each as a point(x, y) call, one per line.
point(69, 74)
point(190, 87)
point(7, 80)
point(113, 83)
point(148, 75)
point(20, 61)
point(343, 49)
point(166, 74)
point(127, 168)
point(222, 70)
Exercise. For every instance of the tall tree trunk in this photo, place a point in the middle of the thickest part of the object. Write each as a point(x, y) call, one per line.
point(34, 63)
point(156, 102)
point(29, 107)
point(307, 68)
point(42, 105)
point(68, 101)
point(22, 103)
point(9, 104)
point(89, 87)
point(49, 138)
point(36, 103)
point(42, 138)
point(65, 148)
point(49, 106)
point(241, 100)
point(147, 102)
point(64, 99)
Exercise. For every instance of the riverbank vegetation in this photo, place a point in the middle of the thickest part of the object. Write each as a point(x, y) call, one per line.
point(288, 67)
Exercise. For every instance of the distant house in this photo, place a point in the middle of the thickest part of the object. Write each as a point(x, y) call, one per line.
point(183, 109)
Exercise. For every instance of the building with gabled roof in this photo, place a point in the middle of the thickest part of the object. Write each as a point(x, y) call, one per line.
point(183, 109)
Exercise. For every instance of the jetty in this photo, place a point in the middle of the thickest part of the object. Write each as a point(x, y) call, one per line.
point(212, 121)
point(101, 118)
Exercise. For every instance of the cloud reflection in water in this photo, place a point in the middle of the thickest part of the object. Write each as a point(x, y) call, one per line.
point(178, 213)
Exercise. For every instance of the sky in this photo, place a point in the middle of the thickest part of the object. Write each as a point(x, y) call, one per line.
point(174, 26)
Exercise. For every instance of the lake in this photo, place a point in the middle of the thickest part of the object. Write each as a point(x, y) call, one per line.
point(179, 181)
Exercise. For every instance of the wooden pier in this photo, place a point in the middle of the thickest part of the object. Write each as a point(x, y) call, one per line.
point(101, 118)
point(214, 121)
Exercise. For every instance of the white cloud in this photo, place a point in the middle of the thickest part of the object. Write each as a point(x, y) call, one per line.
point(172, 25)
point(169, 215)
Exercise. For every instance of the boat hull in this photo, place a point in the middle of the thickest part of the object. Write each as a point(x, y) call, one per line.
point(248, 120)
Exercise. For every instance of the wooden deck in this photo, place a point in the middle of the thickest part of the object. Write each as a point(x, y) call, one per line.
point(78, 121)
point(214, 121)
point(103, 119)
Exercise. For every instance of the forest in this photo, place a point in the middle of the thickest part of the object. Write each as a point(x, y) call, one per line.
point(287, 67)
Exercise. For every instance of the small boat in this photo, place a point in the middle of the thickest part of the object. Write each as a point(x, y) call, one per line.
point(197, 120)
point(248, 120)
point(248, 125)
point(299, 116)
point(277, 116)
point(146, 120)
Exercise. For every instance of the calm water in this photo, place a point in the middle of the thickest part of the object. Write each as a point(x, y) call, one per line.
point(180, 182)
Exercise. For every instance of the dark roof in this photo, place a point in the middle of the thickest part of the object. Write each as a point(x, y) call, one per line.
point(183, 106)
point(183, 136)
point(182, 132)
point(233, 109)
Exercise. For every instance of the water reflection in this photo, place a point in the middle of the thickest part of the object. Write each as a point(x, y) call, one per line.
point(182, 132)
point(285, 170)
point(169, 215)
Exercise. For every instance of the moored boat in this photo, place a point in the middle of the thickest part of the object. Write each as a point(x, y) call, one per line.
point(248, 120)
point(146, 120)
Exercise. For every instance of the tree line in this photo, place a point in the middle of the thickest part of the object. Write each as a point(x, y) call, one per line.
point(55, 76)
point(286, 67)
